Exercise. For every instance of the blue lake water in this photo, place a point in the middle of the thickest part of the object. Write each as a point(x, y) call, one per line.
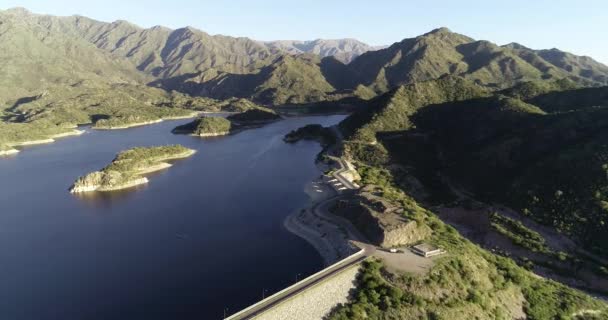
point(202, 237)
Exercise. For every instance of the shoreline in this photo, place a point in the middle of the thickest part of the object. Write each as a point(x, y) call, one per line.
point(216, 134)
point(50, 139)
point(127, 185)
point(129, 125)
point(328, 239)
point(161, 165)
point(8, 152)
point(76, 132)
point(145, 123)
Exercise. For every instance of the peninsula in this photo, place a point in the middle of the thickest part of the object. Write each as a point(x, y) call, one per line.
point(218, 126)
point(128, 168)
point(118, 122)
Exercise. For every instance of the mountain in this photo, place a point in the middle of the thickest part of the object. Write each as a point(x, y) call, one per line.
point(546, 156)
point(391, 111)
point(344, 50)
point(273, 73)
point(54, 79)
point(159, 51)
point(36, 58)
point(523, 170)
point(442, 52)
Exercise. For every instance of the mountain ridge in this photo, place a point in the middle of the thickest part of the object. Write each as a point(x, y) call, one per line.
point(193, 62)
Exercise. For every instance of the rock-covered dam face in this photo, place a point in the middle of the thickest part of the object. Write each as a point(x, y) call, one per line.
point(315, 302)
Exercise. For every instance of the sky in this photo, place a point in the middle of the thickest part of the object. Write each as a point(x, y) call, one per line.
point(575, 26)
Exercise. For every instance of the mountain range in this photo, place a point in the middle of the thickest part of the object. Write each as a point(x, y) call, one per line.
point(344, 50)
point(441, 121)
point(42, 52)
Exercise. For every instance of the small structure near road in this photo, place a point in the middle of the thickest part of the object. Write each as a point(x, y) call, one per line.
point(427, 250)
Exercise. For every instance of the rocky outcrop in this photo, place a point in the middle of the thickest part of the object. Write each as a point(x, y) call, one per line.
point(127, 168)
point(8, 152)
point(104, 181)
point(382, 223)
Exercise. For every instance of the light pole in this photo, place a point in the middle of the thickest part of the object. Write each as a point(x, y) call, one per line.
point(225, 312)
point(297, 275)
point(263, 293)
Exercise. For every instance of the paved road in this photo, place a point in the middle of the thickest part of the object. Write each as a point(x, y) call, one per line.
point(279, 297)
point(338, 173)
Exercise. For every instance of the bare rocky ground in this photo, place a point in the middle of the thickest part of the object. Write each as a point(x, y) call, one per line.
point(474, 224)
point(316, 302)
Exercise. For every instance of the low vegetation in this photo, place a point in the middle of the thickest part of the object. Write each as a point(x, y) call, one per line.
point(467, 283)
point(518, 233)
point(127, 168)
point(253, 116)
point(548, 162)
point(316, 132)
point(545, 157)
point(206, 126)
point(216, 126)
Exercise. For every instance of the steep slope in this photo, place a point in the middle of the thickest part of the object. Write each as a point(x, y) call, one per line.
point(548, 160)
point(426, 57)
point(53, 80)
point(581, 66)
point(344, 50)
point(392, 111)
point(442, 52)
point(287, 80)
point(194, 62)
point(160, 51)
point(524, 178)
point(36, 58)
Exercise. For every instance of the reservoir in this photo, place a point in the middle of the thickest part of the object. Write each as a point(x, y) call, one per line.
point(203, 237)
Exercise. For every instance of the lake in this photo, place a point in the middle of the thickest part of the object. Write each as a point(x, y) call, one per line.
point(202, 237)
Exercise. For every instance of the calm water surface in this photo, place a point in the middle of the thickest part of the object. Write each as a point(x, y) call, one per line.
point(202, 236)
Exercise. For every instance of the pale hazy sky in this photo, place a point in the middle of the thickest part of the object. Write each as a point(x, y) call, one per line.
point(576, 26)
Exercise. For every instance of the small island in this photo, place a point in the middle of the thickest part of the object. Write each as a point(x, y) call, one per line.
point(205, 127)
point(217, 126)
point(128, 168)
point(253, 117)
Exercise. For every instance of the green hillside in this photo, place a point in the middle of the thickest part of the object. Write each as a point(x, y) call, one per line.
point(465, 283)
point(544, 157)
point(391, 112)
point(441, 52)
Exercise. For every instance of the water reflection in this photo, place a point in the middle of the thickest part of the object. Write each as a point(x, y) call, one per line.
point(201, 236)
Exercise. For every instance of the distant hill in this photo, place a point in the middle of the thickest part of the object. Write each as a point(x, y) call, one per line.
point(441, 52)
point(344, 50)
point(37, 55)
point(66, 50)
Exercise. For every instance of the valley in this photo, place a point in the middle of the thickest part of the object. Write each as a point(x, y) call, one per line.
point(291, 156)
